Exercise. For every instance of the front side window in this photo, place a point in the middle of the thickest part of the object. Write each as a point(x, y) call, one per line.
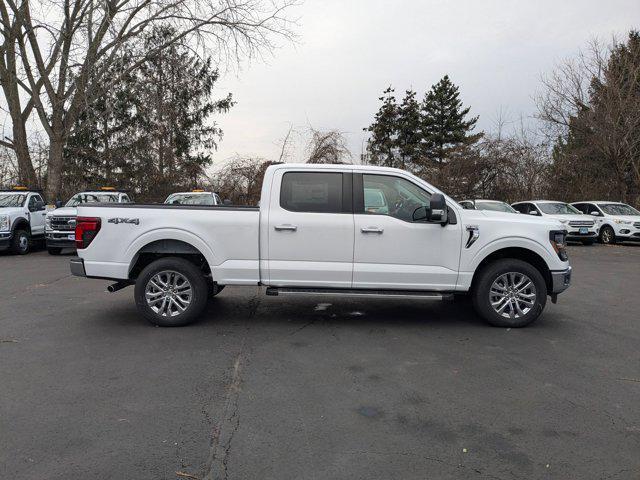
point(393, 196)
point(619, 209)
point(467, 205)
point(314, 192)
point(558, 208)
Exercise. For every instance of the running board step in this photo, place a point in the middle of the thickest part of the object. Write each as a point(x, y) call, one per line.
point(349, 292)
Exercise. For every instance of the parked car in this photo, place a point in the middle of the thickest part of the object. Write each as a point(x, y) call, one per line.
point(315, 234)
point(616, 222)
point(194, 197)
point(493, 205)
point(60, 223)
point(22, 213)
point(580, 228)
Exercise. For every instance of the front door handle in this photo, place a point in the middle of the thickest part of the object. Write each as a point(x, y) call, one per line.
point(291, 228)
point(372, 230)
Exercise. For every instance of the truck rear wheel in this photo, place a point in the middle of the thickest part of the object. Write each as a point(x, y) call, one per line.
point(509, 293)
point(20, 242)
point(171, 292)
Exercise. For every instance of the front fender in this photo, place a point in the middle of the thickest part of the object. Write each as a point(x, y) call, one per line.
point(550, 258)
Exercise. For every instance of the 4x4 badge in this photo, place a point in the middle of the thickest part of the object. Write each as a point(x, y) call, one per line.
point(117, 220)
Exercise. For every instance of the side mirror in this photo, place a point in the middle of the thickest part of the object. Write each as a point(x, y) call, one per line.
point(438, 209)
point(533, 212)
point(595, 213)
point(37, 206)
point(58, 203)
point(436, 212)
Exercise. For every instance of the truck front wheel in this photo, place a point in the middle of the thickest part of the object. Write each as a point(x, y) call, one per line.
point(509, 293)
point(171, 292)
point(20, 242)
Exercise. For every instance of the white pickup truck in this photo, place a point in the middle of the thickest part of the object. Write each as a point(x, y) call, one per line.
point(326, 230)
point(60, 223)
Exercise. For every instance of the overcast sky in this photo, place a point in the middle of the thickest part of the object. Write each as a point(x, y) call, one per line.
point(349, 51)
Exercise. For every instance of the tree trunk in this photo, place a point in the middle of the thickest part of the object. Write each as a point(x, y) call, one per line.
point(26, 172)
point(54, 168)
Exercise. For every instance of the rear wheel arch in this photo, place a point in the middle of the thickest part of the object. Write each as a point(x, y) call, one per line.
point(158, 249)
point(519, 253)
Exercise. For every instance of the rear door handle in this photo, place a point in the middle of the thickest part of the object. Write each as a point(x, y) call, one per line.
point(371, 230)
point(291, 228)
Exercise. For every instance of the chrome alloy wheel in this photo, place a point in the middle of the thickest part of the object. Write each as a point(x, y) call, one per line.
point(607, 237)
point(168, 293)
point(512, 295)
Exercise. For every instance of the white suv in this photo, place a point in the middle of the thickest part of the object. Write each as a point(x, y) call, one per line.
point(580, 228)
point(615, 221)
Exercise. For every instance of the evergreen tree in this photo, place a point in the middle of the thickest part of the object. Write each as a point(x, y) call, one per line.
point(409, 134)
point(382, 145)
point(445, 127)
point(151, 132)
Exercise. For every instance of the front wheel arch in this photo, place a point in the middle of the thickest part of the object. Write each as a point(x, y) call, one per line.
point(518, 253)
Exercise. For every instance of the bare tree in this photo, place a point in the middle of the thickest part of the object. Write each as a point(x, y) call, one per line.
point(592, 103)
point(240, 180)
point(57, 57)
point(328, 147)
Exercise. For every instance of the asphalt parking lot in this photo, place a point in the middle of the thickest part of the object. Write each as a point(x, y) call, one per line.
point(267, 388)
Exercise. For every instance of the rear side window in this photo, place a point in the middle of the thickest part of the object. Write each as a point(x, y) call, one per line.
point(315, 192)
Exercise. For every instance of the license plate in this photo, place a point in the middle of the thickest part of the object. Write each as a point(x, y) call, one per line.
point(71, 236)
point(584, 230)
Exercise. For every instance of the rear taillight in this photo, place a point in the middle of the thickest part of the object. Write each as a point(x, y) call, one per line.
point(86, 230)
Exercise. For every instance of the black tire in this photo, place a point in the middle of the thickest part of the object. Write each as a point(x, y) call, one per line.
point(198, 298)
point(588, 242)
point(607, 235)
point(20, 243)
point(489, 274)
point(54, 250)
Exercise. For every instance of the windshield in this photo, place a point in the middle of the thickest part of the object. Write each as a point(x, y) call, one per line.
point(618, 209)
point(190, 199)
point(92, 198)
point(495, 207)
point(11, 200)
point(558, 208)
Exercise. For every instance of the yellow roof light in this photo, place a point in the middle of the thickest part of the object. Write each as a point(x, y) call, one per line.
point(107, 188)
point(197, 191)
point(19, 187)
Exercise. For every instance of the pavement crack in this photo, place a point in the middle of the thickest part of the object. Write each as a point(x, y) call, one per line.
point(223, 434)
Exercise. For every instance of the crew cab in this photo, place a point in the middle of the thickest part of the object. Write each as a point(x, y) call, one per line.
point(616, 222)
point(60, 223)
point(580, 228)
point(194, 197)
point(493, 205)
point(22, 213)
point(326, 230)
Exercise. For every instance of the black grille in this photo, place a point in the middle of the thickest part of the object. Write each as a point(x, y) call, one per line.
point(63, 223)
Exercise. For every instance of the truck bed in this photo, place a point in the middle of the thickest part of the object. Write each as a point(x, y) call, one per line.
point(227, 236)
